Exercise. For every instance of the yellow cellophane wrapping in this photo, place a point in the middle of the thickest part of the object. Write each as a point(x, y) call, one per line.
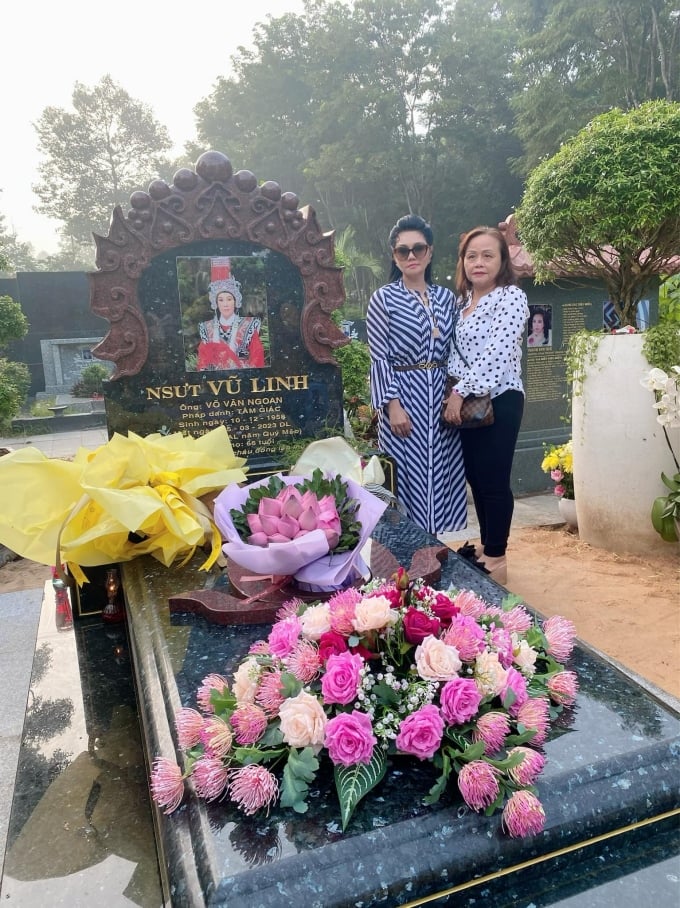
point(82, 512)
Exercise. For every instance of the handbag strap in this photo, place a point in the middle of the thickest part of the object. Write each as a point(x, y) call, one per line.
point(453, 337)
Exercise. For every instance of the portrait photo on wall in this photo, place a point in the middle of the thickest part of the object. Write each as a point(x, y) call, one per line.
point(611, 321)
point(223, 300)
point(539, 327)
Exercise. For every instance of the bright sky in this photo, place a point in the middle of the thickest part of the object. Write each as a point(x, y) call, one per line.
point(48, 47)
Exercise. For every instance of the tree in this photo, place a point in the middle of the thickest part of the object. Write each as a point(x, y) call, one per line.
point(577, 60)
point(15, 379)
point(362, 271)
point(361, 109)
point(96, 156)
point(607, 205)
point(15, 255)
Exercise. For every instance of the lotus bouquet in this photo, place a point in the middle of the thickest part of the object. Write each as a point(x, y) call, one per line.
point(310, 528)
point(388, 669)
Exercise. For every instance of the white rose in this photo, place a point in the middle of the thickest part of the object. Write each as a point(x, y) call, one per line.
point(373, 613)
point(246, 678)
point(436, 660)
point(523, 656)
point(489, 673)
point(303, 721)
point(315, 621)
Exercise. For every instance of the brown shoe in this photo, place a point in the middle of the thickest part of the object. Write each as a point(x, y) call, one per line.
point(497, 568)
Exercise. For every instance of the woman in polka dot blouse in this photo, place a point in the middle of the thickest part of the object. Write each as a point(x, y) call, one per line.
point(490, 322)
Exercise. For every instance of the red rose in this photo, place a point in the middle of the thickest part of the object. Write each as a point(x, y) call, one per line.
point(331, 644)
point(418, 626)
point(444, 609)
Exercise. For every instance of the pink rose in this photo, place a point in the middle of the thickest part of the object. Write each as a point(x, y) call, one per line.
point(556, 475)
point(418, 625)
point(349, 738)
point(559, 491)
point(515, 689)
point(420, 734)
point(460, 699)
point(340, 682)
point(331, 644)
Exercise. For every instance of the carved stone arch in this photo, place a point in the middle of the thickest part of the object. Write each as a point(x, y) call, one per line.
point(210, 203)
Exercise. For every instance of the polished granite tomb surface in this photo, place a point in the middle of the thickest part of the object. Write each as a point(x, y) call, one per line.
point(610, 787)
point(81, 830)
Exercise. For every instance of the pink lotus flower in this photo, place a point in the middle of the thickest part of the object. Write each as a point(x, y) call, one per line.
point(560, 634)
point(420, 734)
point(563, 687)
point(188, 724)
point(523, 814)
point(291, 515)
point(349, 738)
point(478, 783)
point(526, 772)
point(252, 788)
point(210, 777)
point(167, 784)
point(208, 685)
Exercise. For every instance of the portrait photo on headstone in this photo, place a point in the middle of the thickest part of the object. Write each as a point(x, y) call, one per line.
point(539, 327)
point(225, 323)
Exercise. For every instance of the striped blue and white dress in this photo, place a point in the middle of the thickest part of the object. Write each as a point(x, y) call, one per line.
point(430, 472)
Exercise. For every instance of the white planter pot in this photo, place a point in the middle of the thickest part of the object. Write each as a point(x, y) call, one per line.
point(567, 509)
point(619, 451)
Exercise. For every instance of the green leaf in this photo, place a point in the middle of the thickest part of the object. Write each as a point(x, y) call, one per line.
point(353, 782)
point(439, 786)
point(300, 769)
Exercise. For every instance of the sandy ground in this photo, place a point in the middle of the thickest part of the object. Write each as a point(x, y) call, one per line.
point(626, 606)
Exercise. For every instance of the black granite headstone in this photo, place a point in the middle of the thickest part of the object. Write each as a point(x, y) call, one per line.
point(218, 244)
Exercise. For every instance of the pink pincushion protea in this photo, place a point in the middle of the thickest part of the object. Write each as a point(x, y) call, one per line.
point(393, 669)
point(167, 784)
point(253, 788)
point(523, 815)
point(478, 783)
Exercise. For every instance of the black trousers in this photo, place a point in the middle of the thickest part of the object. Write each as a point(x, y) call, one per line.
point(488, 455)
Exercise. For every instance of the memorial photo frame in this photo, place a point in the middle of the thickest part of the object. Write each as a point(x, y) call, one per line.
point(210, 203)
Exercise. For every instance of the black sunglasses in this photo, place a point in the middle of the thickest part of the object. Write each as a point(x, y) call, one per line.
point(418, 249)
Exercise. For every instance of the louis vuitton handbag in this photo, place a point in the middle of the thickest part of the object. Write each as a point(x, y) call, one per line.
point(477, 411)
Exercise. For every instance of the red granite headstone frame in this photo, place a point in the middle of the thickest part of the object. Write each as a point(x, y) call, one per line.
point(210, 203)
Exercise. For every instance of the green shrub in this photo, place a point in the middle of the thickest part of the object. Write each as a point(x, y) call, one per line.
point(91, 381)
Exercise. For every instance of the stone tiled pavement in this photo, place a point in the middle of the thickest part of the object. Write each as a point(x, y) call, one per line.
point(20, 611)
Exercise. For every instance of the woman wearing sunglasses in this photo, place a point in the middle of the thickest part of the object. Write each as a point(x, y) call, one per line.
point(486, 358)
point(409, 325)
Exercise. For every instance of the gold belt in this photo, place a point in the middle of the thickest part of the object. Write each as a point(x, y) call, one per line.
point(431, 365)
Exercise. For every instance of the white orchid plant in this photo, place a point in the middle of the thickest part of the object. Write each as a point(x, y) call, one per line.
point(666, 508)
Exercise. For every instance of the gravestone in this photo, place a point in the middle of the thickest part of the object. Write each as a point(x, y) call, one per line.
point(218, 246)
